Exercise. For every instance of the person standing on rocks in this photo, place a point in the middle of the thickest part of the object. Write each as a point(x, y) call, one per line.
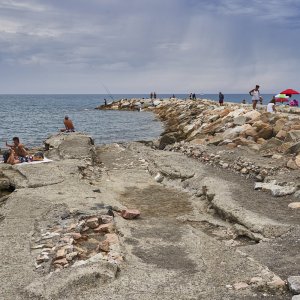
point(221, 99)
point(255, 96)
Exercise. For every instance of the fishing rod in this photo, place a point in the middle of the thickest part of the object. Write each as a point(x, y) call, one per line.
point(108, 92)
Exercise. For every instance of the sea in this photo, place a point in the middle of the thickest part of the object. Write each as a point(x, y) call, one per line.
point(33, 118)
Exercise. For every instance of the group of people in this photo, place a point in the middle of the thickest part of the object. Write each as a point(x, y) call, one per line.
point(256, 97)
point(193, 96)
point(152, 95)
point(18, 153)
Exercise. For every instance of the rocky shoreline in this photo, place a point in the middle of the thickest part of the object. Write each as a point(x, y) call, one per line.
point(207, 211)
point(252, 143)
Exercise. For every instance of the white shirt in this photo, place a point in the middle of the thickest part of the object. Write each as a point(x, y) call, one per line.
point(270, 107)
point(255, 95)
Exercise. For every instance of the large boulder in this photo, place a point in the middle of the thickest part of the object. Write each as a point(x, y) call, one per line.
point(279, 125)
point(217, 139)
point(276, 189)
point(294, 148)
point(271, 144)
point(281, 135)
point(70, 146)
point(252, 115)
point(251, 132)
point(293, 136)
point(242, 141)
point(266, 132)
point(237, 112)
point(212, 128)
point(232, 133)
point(240, 120)
point(166, 139)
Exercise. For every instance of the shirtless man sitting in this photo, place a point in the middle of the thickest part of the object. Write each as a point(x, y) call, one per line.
point(17, 152)
point(17, 147)
point(69, 127)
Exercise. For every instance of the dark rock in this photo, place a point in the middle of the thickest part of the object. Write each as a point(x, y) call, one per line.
point(166, 139)
point(295, 148)
point(294, 284)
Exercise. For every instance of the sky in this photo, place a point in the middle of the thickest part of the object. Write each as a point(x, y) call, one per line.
point(139, 46)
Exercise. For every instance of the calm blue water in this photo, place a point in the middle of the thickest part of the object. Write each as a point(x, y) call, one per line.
point(34, 117)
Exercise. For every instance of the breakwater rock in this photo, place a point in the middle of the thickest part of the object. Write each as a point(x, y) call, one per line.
point(131, 104)
point(206, 123)
point(253, 143)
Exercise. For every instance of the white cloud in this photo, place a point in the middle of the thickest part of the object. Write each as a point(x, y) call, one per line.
point(22, 5)
point(176, 45)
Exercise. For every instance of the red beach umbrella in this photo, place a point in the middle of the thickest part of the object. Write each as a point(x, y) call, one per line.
point(289, 92)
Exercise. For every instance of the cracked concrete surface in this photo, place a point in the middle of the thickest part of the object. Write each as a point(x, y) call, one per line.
point(165, 257)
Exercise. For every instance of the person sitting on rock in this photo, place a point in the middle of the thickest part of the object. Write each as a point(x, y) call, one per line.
point(18, 148)
point(271, 106)
point(11, 158)
point(69, 127)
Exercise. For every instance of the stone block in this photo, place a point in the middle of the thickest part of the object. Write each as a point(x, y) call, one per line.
point(240, 120)
point(279, 125)
point(293, 136)
point(105, 228)
point(271, 143)
point(61, 262)
point(266, 132)
point(112, 238)
point(104, 245)
point(294, 148)
point(105, 219)
point(61, 253)
point(281, 135)
point(130, 213)
point(75, 235)
point(92, 222)
point(292, 164)
point(252, 115)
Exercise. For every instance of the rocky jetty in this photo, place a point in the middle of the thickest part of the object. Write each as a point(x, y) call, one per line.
point(253, 143)
point(188, 216)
